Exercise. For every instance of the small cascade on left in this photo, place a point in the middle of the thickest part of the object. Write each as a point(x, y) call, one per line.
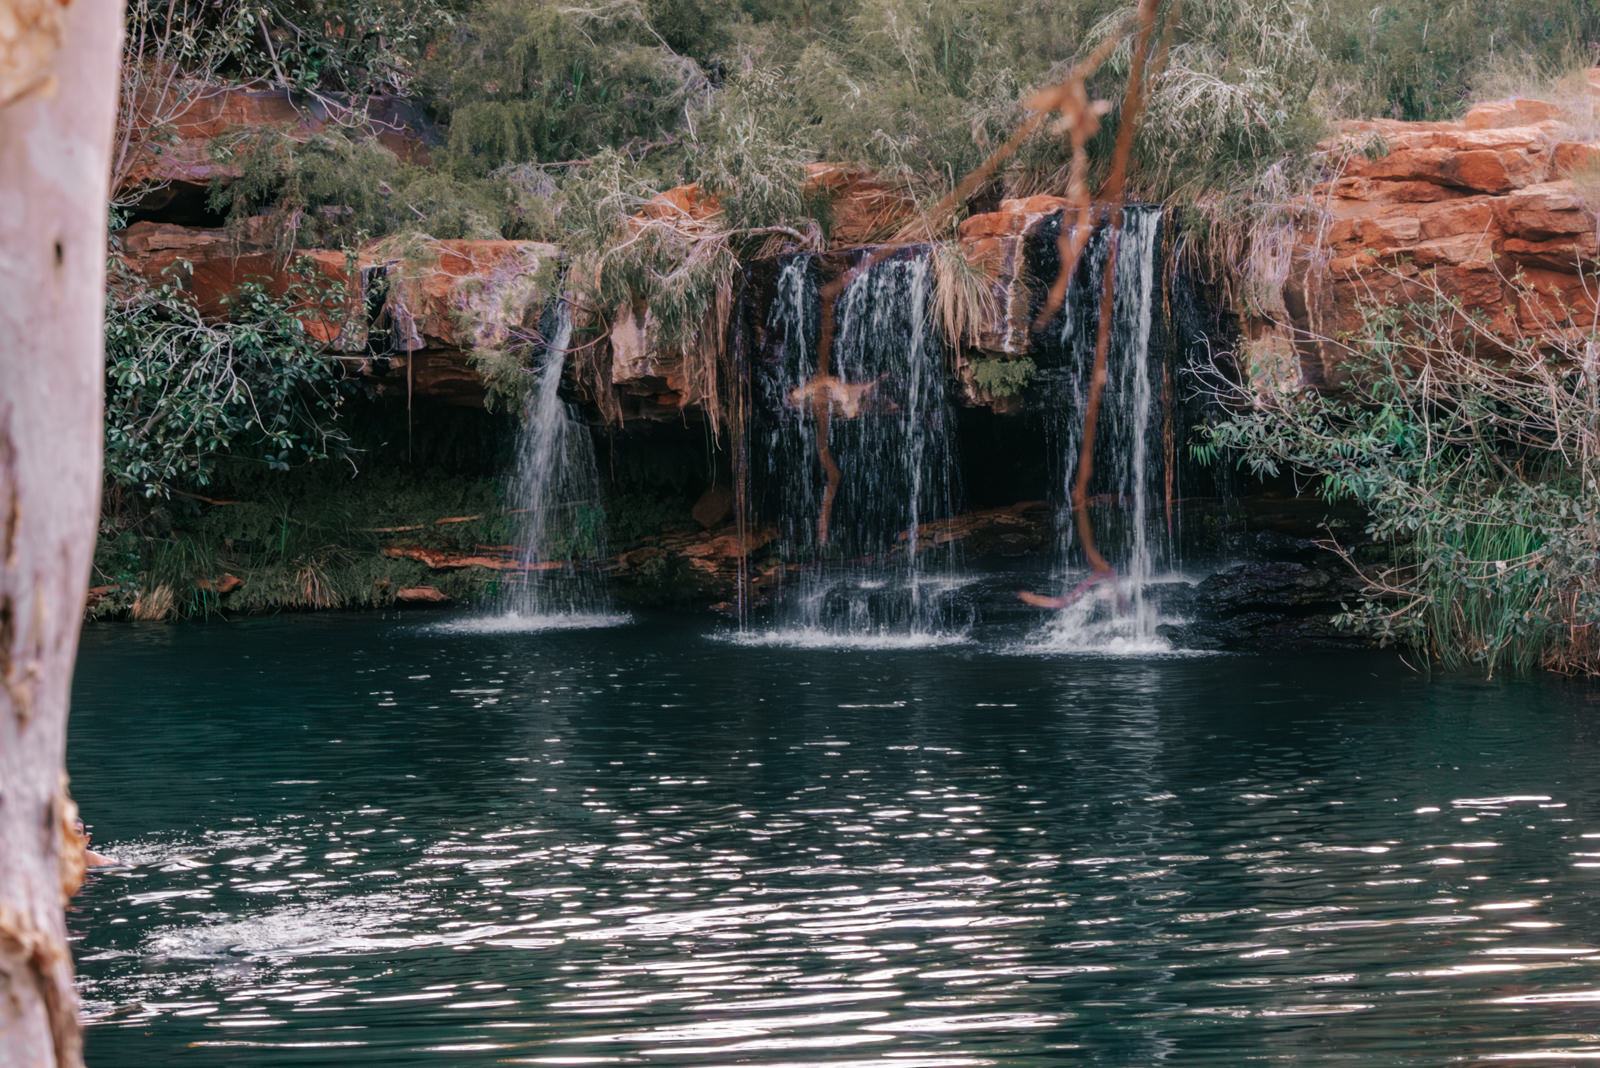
point(555, 498)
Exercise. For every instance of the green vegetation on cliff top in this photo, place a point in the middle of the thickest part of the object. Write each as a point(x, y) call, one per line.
point(527, 95)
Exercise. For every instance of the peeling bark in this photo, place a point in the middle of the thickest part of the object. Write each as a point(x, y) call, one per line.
point(58, 84)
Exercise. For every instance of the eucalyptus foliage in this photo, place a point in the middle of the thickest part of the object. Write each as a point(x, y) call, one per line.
point(183, 391)
point(1475, 452)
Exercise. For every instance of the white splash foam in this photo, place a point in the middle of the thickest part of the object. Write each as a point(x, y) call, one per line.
point(530, 623)
point(290, 931)
point(1096, 625)
point(820, 638)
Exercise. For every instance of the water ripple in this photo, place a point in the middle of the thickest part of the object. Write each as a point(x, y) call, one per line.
point(654, 853)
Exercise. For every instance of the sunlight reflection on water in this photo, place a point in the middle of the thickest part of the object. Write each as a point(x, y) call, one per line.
point(531, 623)
point(366, 844)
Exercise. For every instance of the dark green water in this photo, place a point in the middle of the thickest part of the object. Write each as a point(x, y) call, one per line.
point(358, 841)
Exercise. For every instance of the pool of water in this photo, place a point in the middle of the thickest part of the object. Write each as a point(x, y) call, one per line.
point(381, 841)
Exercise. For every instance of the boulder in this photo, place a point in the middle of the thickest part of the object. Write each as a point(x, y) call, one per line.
point(714, 508)
point(1503, 113)
point(421, 595)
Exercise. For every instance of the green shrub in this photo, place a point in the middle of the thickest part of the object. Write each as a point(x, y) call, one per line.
point(1476, 454)
point(1003, 378)
point(183, 391)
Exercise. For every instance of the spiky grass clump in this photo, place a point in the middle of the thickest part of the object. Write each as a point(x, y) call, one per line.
point(965, 302)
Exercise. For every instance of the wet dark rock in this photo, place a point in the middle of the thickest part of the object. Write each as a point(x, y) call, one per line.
point(1277, 545)
point(1260, 632)
point(1277, 604)
point(1021, 529)
point(1171, 598)
point(1277, 585)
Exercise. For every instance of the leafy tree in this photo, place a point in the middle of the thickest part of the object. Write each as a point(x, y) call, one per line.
point(182, 392)
point(1476, 453)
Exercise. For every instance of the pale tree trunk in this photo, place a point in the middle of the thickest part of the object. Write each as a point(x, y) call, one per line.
point(58, 86)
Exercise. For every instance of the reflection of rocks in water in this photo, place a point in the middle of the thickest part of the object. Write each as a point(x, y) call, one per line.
point(1280, 604)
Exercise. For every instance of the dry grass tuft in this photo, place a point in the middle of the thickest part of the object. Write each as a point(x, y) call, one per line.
point(315, 589)
point(152, 605)
point(1567, 84)
point(964, 296)
point(1586, 181)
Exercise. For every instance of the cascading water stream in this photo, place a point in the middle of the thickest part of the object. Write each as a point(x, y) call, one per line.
point(1130, 465)
point(880, 411)
point(555, 496)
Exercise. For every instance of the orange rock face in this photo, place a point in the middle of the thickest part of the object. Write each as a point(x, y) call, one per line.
point(442, 300)
point(864, 210)
point(1464, 209)
point(448, 298)
point(997, 240)
point(211, 266)
point(460, 294)
point(174, 131)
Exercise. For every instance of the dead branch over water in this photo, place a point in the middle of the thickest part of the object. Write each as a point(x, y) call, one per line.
point(1079, 118)
point(1112, 192)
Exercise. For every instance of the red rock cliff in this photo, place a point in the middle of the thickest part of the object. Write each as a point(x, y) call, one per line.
point(1484, 210)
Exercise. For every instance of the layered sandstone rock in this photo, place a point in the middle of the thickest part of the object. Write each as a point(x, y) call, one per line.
point(863, 209)
point(404, 319)
point(1484, 211)
point(434, 302)
point(461, 295)
point(998, 241)
point(211, 265)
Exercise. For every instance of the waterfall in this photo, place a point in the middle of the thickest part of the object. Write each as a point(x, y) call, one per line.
point(881, 414)
point(555, 498)
point(1132, 463)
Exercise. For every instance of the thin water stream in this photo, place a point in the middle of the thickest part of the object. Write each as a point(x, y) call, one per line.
point(555, 496)
point(374, 841)
point(1130, 464)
